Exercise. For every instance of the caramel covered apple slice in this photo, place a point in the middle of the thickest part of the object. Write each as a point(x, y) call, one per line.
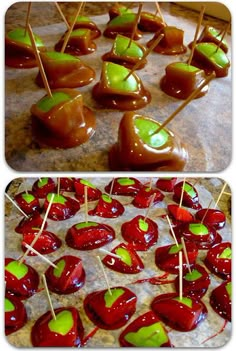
point(64, 71)
point(171, 43)
point(210, 34)
point(123, 24)
point(181, 79)
point(18, 49)
point(115, 91)
point(211, 58)
point(84, 22)
point(62, 121)
point(118, 9)
point(125, 52)
point(138, 146)
point(150, 22)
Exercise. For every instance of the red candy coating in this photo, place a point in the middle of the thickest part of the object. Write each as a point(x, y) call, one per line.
point(15, 314)
point(220, 300)
point(107, 208)
point(144, 197)
point(46, 243)
point(218, 260)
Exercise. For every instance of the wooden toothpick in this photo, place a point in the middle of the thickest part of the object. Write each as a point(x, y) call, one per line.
point(186, 254)
point(40, 255)
point(221, 193)
point(104, 273)
point(149, 207)
point(196, 34)
point(111, 188)
point(223, 36)
point(206, 211)
point(186, 102)
point(62, 15)
point(172, 231)
point(58, 185)
point(68, 34)
point(135, 24)
point(16, 205)
point(39, 62)
point(86, 203)
point(158, 11)
point(27, 17)
point(182, 194)
point(180, 275)
point(146, 53)
point(48, 296)
point(109, 253)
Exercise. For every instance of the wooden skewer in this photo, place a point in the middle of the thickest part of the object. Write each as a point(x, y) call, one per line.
point(186, 102)
point(172, 231)
point(186, 254)
point(83, 7)
point(39, 62)
point(196, 34)
point(62, 15)
point(147, 52)
point(25, 188)
point(149, 207)
point(109, 253)
point(206, 212)
point(182, 194)
point(221, 193)
point(40, 231)
point(180, 275)
point(67, 36)
point(226, 193)
point(27, 17)
point(223, 36)
point(15, 204)
point(58, 185)
point(39, 254)
point(86, 203)
point(150, 183)
point(104, 273)
point(135, 24)
point(112, 185)
point(48, 296)
point(160, 13)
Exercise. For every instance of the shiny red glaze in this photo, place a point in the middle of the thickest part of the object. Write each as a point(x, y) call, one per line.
point(195, 288)
point(212, 217)
point(92, 193)
point(166, 184)
point(145, 320)
point(71, 279)
point(67, 184)
point(144, 196)
point(107, 210)
point(27, 224)
point(118, 189)
point(188, 201)
point(42, 336)
point(140, 239)
point(203, 242)
point(113, 317)
point(47, 242)
point(24, 287)
point(61, 212)
point(89, 238)
point(169, 262)
point(116, 264)
point(179, 214)
point(176, 314)
point(219, 266)
point(220, 301)
point(42, 191)
point(14, 320)
point(27, 207)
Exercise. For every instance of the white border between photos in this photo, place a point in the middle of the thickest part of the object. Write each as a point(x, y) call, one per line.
point(8, 174)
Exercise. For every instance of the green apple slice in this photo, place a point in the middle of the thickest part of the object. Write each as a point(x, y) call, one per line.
point(124, 256)
point(62, 324)
point(122, 47)
point(198, 229)
point(28, 198)
point(9, 307)
point(185, 300)
point(110, 299)
point(218, 57)
point(42, 182)
point(115, 78)
point(151, 336)
point(184, 67)
point(60, 268)
point(86, 225)
point(19, 35)
point(226, 253)
point(81, 32)
point(146, 131)
point(16, 269)
point(194, 275)
point(143, 225)
point(107, 198)
point(228, 288)
point(121, 20)
point(189, 190)
point(87, 183)
point(61, 56)
point(58, 199)
point(175, 249)
point(125, 181)
point(47, 102)
point(215, 33)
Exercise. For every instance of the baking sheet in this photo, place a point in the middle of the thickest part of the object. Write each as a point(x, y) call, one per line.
point(38, 304)
point(204, 125)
